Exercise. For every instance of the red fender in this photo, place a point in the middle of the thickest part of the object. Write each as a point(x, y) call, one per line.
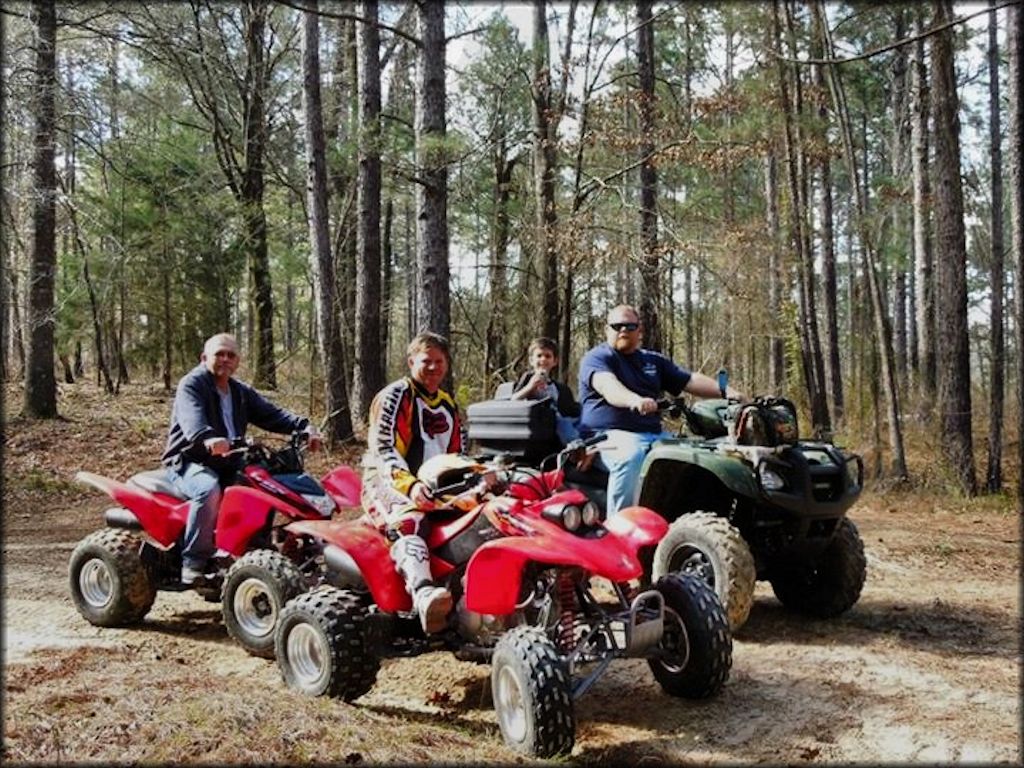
point(370, 551)
point(494, 573)
point(641, 525)
point(162, 517)
point(344, 485)
point(243, 511)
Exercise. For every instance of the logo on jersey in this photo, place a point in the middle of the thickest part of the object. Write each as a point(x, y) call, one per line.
point(435, 422)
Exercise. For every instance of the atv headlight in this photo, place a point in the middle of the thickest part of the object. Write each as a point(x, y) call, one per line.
point(572, 516)
point(591, 513)
point(854, 469)
point(321, 502)
point(770, 479)
point(569, 516)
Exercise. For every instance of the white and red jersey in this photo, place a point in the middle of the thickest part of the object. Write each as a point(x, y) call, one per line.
point(408, 425)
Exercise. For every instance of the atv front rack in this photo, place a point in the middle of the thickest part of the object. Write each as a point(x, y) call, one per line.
point(633, 633)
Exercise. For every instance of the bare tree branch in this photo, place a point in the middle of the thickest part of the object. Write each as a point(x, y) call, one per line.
point(899, 43)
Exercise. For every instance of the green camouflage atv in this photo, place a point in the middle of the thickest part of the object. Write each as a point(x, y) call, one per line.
point(746, 499)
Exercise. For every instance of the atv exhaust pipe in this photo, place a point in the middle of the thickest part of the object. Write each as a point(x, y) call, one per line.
point(342, 568)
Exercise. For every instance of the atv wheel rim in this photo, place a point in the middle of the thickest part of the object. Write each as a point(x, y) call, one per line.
point(307, 654)
point(96, 583)
point(509, 705)
point(691, 560)
point(255, 609)
point(676, 642)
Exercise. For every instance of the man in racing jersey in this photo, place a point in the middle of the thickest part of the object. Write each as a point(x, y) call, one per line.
point(412, 420)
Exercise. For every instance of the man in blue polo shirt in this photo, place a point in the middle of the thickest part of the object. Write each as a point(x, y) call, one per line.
point(619, 386)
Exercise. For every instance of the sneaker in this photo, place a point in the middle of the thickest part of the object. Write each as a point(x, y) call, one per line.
point(433, 604)
point(190, 575)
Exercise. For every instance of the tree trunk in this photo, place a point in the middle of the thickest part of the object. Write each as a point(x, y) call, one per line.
point(953, 352)
point(688, 308)
point(339, 423)
point(434, 300)
point(994, 474)
point(923, 259)
point(256, 76)
point(650, 280)
point(101, 359)
point(828, 259)
point(122, 315)
point(65, 364)
point(813, 365)
point(544, 160)
point(495, 345)
point(776, 356)
point(1015, 141)
point(165, 279)
point(387, 283)
point(339, 127)
point(367, 362)
point(14, 349)
point(882, 329)
point(40, 399)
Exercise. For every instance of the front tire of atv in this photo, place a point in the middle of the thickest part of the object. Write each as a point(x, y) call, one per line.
point(532, 694)
point(709, 546)
point(256, 588)
point(109, 583)
point(830, 586)
point(321, 644)
point(697, 645)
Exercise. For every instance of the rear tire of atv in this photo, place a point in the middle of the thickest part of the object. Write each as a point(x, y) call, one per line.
point(321, 645)
point(697, 640)
point(256, 588)
point(532, 694)
point(831, 586)
point(109, 583)
point(709, 546)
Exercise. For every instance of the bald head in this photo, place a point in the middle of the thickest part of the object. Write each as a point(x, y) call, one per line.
point(220, 355)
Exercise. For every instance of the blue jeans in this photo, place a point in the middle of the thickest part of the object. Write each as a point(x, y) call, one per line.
point(622, 454)
point(202, 487)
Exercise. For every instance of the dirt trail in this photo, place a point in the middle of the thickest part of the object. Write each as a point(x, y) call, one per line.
point(926, 668)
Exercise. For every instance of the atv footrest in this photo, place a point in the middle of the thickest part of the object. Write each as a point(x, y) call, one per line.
point(646, 623)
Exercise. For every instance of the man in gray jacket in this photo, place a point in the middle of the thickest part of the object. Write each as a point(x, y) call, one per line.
point(210, 409)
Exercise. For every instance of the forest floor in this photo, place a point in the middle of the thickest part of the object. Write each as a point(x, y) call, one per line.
point(926, 668)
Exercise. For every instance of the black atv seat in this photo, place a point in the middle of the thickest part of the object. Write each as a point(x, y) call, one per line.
point(155, 481)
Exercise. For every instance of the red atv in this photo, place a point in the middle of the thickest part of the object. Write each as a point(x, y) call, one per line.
point(115, 572)
point(521, 563)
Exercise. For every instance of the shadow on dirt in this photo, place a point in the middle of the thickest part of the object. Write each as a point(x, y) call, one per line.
point(204, 624)
point(936, 627)
point(468, 726)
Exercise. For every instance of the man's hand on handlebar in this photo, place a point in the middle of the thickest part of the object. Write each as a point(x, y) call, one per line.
point(315, 441)
point(421, 496)
point(645, 406)
point(217, 446)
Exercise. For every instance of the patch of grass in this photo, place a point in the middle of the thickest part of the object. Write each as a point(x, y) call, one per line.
point(41, 481)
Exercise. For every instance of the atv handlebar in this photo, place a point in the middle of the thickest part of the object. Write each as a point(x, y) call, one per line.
point(255, 450)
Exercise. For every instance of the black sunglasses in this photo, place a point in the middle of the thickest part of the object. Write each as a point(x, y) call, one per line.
point(623, 326)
